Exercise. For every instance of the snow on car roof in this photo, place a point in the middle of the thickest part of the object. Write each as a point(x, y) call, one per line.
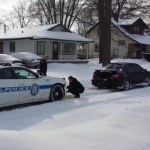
point(26, 55)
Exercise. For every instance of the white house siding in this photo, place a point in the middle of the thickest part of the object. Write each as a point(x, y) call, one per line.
point(116, 36)
point(48, 48)
point(68, 57)
point(20, 46)
point(93, 35)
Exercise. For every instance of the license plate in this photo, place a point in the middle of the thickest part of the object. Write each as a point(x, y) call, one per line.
point(101, 83)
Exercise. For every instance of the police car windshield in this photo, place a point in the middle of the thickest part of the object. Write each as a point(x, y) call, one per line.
point(113, 67)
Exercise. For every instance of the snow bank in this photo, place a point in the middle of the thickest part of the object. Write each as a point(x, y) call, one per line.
point(99, 121)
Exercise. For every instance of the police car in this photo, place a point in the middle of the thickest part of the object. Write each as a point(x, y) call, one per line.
point(20, 85)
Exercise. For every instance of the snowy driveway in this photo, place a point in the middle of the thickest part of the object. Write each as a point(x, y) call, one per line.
point(100, 120)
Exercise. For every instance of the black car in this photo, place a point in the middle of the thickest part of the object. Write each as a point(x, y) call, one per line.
point(121, 76)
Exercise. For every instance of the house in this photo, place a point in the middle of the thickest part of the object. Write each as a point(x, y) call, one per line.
point(53, 40)
point(128, 37)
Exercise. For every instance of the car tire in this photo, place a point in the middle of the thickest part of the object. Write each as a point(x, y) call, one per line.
point(148, 81)
point(57, 93)
point(126, 85)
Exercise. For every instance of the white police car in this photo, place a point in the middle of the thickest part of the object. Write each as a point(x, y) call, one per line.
point(20, 85)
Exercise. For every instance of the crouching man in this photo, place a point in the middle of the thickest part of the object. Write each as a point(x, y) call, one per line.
point(75, 87)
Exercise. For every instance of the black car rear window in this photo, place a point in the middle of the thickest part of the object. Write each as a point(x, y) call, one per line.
point(113, 67)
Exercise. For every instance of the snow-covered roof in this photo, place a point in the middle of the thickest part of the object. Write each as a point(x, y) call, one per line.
point(127, 21)
point(42, 32)
point(142, 39)
point(68, 36)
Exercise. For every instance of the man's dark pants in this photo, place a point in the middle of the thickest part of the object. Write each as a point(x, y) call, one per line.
point(76, 92)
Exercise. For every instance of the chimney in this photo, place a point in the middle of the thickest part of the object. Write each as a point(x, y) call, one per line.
point(116, 16)
point(4, 28)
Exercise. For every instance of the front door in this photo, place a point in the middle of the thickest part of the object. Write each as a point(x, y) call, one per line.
point(1, 47)
point(55, 51)
point(29, 85)
point(9, 93)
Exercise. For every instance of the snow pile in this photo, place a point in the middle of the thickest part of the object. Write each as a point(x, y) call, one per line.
point(99, 121)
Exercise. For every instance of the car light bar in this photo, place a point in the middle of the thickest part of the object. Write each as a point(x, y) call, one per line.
point(5, 64)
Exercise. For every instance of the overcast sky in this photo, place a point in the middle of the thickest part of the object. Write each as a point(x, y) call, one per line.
point(6, 4)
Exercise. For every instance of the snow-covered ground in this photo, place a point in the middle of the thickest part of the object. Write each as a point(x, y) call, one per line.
point(99, 120)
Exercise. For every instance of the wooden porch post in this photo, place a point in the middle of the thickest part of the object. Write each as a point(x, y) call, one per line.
point(87, 51)
point(61, 48)
point(75, 51)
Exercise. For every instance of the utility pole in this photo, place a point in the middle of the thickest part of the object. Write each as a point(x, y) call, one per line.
point(104, 7)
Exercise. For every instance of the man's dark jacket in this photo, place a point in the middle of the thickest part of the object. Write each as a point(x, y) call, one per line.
point(76, 85)
point(43, 66)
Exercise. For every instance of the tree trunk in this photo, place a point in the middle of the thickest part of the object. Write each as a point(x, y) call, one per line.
point(104, 31)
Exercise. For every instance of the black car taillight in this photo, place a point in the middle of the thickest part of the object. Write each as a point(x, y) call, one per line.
point(94, 76)
point(116, 76)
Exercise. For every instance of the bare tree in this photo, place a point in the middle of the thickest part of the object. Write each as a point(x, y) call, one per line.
point(61, 11)
point(20, 15)
point(1, 19)
point(85, 20)
point(125, 8)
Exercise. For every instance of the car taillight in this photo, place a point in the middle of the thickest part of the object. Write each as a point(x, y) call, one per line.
point(115, 76)
point(94, 76)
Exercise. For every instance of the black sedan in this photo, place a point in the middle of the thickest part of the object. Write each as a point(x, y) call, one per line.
point(121, 76)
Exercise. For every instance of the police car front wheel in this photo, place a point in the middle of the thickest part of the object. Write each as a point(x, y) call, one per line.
point(56, 93)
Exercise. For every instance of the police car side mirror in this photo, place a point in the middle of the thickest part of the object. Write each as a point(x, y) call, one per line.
point(37, 76)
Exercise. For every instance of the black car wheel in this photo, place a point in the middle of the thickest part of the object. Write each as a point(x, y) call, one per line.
point(148, 81)
point(126, 85)
point(57, 93)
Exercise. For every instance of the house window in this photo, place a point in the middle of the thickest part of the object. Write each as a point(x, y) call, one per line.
point(12, 47)
point(136, 30)
point(68, 49)
point(40, 47)
point(96, 46)
point(122, 42)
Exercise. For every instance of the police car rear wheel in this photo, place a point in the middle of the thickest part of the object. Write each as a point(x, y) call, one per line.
point(57, 93)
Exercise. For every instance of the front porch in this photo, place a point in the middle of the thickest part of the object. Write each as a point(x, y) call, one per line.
point(58, 51)
point(136, 50)
point(69, 61)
